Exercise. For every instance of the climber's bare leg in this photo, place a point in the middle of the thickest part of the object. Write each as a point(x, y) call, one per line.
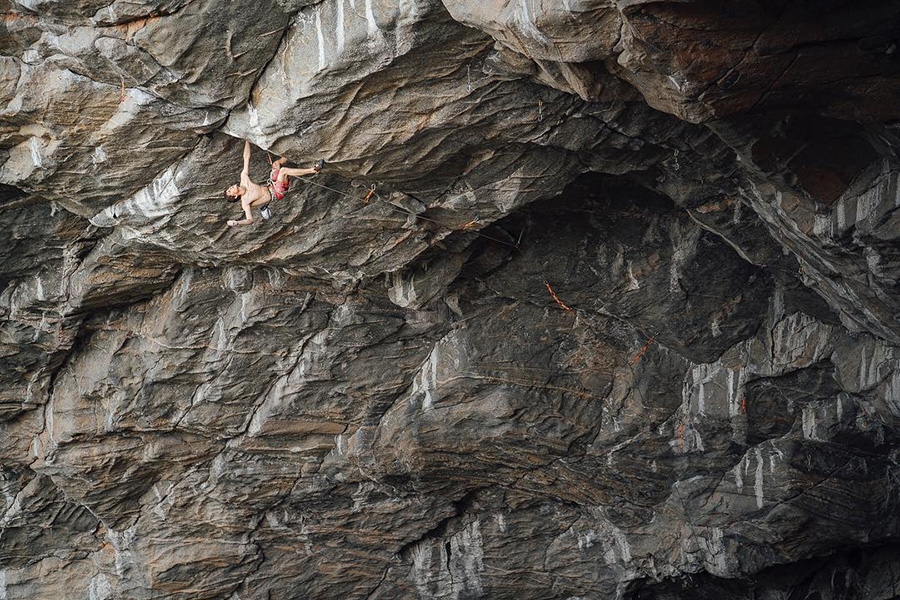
point(285, 172)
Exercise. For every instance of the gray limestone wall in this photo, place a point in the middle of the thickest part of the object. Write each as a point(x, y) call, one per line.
point(619, 319)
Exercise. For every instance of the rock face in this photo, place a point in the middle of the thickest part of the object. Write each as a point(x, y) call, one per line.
point(620, 320)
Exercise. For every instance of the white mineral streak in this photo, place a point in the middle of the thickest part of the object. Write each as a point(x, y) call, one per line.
point(121, 542)
point(28, 157)
point(403, 290)
point(153, 201)
point(100, 588)
point(219, 338)
point(861, 210)
point(715, 327)
point(697, 441)
point(808, 421)
point(710, 388)
point(800, 341)
point(276, 402)
point(253, 117)
point(48, 417)
point(715, 556)
point(409, 10)
point(242, 299)
point(372, 26)
point(587, 538)
point(339, 27)
point(99, 155)
point(776, 456)
point(458, 574)
point(736, 382)
point(758, 484)
point(523, 19)
point(429, 377)
point(421, 572)
point(13, 510)
point(35, 147)
point(616, 549)
point(467, 561)
point(501, 522)
point(679, 254)
point(633, 283)
point(320, 36)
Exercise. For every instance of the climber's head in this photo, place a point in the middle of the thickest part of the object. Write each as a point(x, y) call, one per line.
point(234, 193)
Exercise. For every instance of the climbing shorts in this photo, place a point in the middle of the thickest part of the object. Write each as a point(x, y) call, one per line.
point(277, 189)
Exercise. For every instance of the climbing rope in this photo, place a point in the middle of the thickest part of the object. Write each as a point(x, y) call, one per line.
point(637, 357)
point(372, 193)
point(557, 299)
point(467, 227)
point(643, 351)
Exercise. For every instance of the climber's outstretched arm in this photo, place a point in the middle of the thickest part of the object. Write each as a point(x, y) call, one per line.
point(246, 170)
point(248, 216)
point(245, 174)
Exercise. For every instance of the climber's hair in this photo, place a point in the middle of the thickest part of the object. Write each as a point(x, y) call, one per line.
point(229, 197)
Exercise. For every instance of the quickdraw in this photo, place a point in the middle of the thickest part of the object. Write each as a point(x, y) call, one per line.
point(369, 195)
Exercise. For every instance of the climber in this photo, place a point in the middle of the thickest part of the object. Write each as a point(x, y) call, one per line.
point(253, 195)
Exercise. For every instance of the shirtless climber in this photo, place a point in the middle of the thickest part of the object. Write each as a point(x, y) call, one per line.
point(254, 195)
